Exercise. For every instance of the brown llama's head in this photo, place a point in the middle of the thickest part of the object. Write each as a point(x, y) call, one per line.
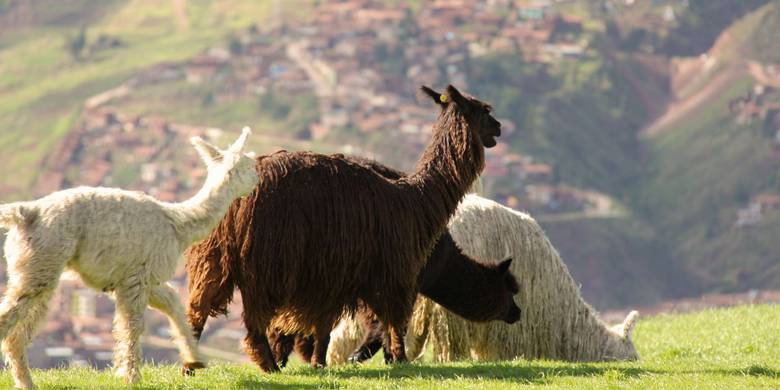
point(476, 112)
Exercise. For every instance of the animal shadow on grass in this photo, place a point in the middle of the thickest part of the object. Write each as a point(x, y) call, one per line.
point(754, 370)
point(495, 370)
point(258, 383)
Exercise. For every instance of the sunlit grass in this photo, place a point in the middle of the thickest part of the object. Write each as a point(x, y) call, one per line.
point(718, 349)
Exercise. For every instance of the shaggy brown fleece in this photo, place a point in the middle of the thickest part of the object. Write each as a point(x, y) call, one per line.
point(321, 233)
point(475, 291)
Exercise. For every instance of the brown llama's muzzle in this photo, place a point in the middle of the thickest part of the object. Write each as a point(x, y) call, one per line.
point(489, 139)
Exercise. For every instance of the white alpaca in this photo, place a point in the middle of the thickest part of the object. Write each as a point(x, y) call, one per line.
point(556, 323)
point(122, 242)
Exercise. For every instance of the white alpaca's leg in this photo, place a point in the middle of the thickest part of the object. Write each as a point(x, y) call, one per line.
point(32, 276)
point(131, 301)
point(32, 279)
point(14, 346)
point(165, 299)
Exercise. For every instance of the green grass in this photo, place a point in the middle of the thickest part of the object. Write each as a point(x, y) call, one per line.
point(716, 349)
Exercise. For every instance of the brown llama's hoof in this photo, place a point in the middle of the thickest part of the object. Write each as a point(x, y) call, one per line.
point(188, 369)
point(270, 369)
point(398, 359)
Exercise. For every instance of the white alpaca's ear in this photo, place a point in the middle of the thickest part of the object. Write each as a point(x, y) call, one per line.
point(629, 323)
point(238, 146)
point(208, 152)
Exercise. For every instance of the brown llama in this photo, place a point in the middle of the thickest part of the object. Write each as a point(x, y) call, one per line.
point(321, 233)
point(473, 290)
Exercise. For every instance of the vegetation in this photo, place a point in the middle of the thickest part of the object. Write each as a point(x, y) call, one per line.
point(42, 88)
point(682, 189)
point(706, 169)
point(715, 349)
point(701, 24)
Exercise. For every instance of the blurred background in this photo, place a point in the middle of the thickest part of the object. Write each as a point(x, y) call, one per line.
point(644, 135)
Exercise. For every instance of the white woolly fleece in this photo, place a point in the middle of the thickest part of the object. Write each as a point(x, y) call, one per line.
point(556, 323)
point(123, 242)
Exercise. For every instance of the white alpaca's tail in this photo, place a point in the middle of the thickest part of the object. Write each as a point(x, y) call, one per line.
point(345, 339)
point(12, 215)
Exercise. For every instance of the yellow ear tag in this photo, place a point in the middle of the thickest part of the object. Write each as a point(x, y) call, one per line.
point(443, 98)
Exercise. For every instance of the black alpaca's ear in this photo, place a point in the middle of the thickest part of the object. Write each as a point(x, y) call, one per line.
point(454, 95)
point(504, 265)
point(437, 97)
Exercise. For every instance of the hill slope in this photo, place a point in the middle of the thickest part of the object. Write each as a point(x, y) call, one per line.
point(714, 161)
point(681, 186)
point(43, 83)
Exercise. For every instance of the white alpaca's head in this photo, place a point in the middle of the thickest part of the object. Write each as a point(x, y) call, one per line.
point(232, 167)
point(621, 347)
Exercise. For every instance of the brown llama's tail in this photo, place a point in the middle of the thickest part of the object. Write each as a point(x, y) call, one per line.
point(211, 286)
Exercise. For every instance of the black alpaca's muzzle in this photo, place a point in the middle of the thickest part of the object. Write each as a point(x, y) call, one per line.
point(513, 315)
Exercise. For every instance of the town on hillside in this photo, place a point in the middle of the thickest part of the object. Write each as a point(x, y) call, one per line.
point(362, 60)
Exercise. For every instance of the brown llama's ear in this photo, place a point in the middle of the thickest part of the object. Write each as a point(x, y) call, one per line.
point(504, 265)
point(456, 96)
point(437, 97)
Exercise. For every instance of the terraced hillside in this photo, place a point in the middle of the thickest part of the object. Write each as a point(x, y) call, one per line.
point(692, 202)
point(712, 179)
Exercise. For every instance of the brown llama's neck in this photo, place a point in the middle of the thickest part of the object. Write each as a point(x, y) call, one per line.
point(457, 282)
point(449, 165)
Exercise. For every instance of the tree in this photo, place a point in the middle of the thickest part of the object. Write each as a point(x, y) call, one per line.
point(76, 44)
point(234, 45)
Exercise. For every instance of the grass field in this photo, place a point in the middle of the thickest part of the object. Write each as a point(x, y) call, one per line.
point(733, 348)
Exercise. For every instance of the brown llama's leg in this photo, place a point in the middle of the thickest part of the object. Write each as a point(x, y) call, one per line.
point(281, 345)
point(385, 341)
point(397, 347)
point(321, 341)
point(304, 346)
point(256, 319)
point(256, 343)
point(395, 322)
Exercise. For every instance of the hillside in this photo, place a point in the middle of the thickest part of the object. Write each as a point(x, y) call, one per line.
point(109, 97)
point(714, 349)
point(644, 137)
point(655, 175)
point(712, 177)
point(44, 83)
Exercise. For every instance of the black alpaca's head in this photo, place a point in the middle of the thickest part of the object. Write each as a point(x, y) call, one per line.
point(476, 112)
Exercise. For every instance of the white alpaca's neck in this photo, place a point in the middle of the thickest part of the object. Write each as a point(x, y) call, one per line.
point(197, 216)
